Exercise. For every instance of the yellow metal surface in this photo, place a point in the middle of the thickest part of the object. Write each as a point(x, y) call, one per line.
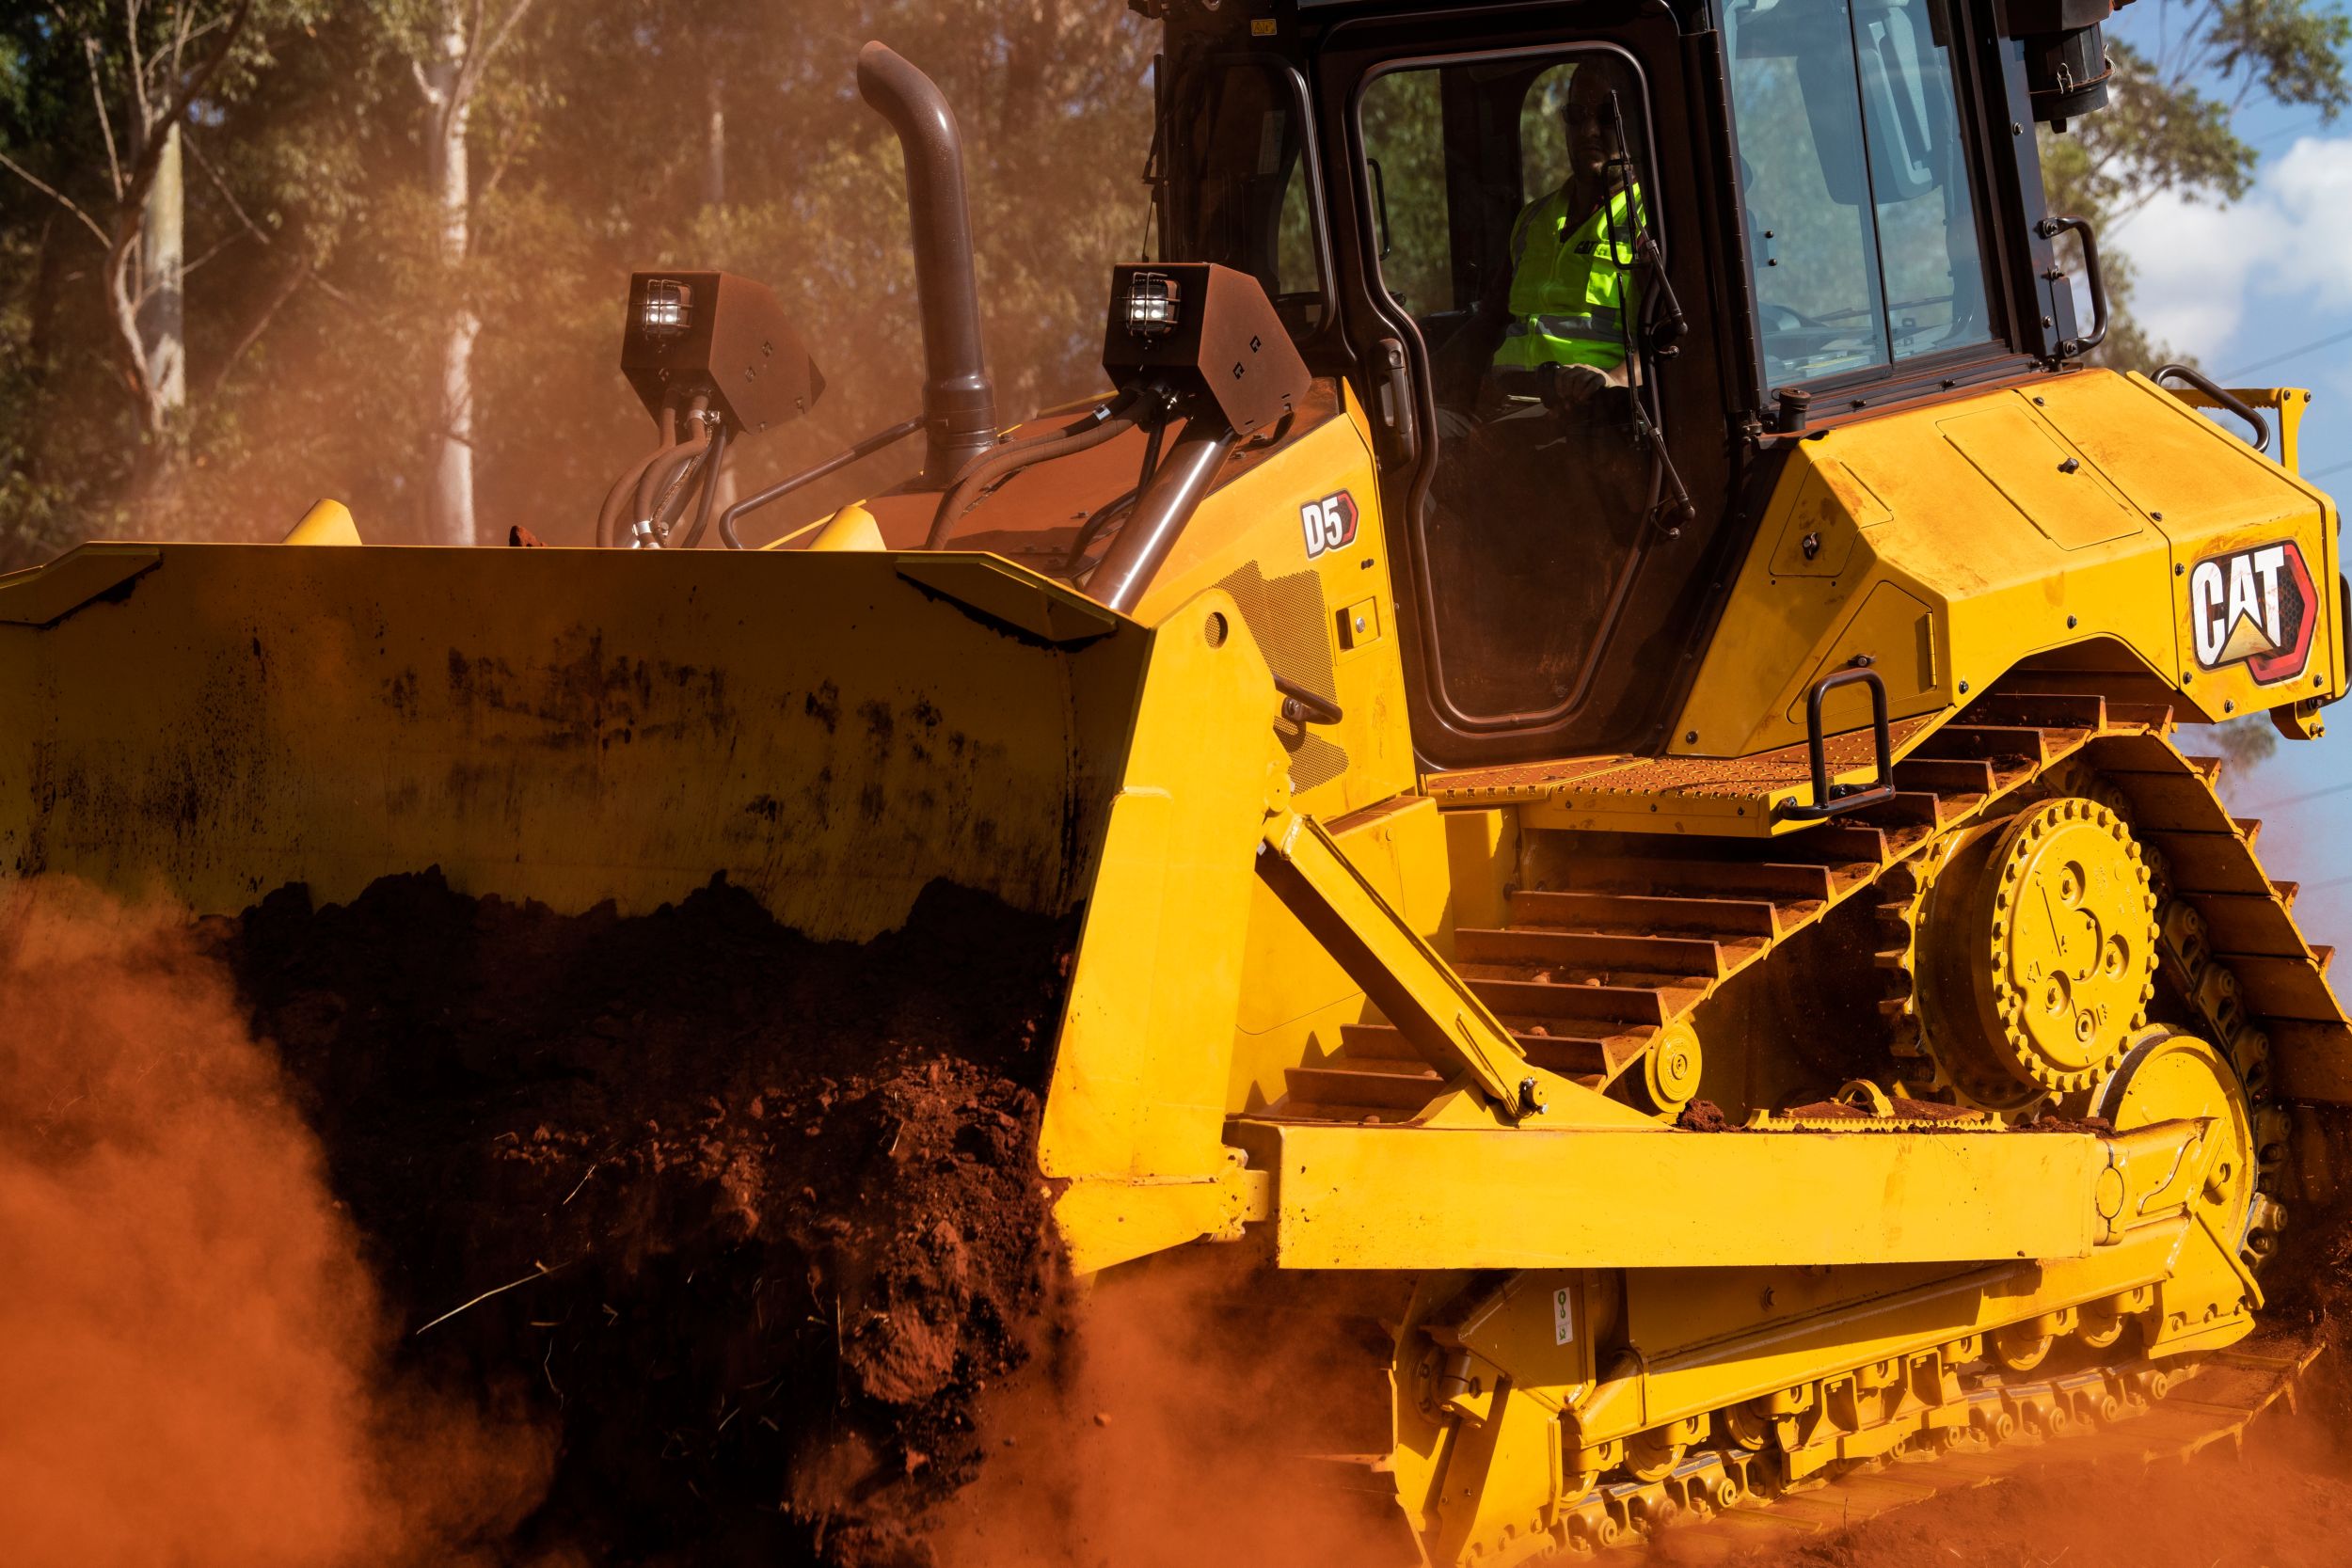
point(328, 523)
point(852, 528)
point(2289, 402)
point(829, 731)
point(2041, 942)
point(41, 595)
point(1296, 998)
point(1388, 1197)
point(1413, 987)
point(1955, 542)
point(1140, 1077)
point(1704, 797)
point(1248, 538)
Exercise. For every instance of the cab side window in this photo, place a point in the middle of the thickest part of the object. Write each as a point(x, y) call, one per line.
point(1862, 225)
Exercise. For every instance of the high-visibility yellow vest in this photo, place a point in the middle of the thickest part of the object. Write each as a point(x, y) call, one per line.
point(1571, 289)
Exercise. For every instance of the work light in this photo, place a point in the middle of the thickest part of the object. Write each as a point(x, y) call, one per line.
point(1152, 301)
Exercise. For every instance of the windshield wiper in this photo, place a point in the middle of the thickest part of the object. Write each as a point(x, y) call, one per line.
point(1661, 341)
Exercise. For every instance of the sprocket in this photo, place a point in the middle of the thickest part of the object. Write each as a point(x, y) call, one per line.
point(2036, 953)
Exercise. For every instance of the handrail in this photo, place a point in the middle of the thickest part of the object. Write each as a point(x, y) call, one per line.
point(2050, 229)
point(1835, 799)
point(2221, 397)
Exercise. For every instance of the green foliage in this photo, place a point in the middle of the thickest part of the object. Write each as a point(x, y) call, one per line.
point(316, 294)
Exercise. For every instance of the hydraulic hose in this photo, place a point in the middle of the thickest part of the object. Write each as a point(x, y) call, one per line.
point(665, 480)
point(710, 488)
point(661, 474)
point(833, 464)
point(1106, 424)
point(624, 488)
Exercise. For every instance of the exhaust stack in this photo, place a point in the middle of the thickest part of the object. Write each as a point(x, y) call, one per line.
point(959, 398)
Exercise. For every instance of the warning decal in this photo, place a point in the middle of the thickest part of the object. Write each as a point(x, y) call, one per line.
point(2253, 607)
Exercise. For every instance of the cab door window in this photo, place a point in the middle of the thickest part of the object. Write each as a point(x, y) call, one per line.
point(1862, 223)
point(1516, 223)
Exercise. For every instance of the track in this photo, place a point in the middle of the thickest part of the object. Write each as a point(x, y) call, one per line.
point(1598, 976)
point(1623, 954)
point(2211, 1407)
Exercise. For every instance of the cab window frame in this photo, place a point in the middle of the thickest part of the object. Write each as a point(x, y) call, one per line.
point(2002, 354)
point(1311, 170)
point(1655, 218)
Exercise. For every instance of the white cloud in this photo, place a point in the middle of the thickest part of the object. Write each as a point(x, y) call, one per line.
point(2199, 267)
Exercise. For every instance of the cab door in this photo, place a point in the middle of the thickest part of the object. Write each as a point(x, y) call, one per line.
point(1558, 488)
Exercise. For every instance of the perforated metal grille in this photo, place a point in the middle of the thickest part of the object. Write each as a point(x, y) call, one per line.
point(1288, 617)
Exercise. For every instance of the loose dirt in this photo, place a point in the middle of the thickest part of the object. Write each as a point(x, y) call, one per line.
point(749, 1223)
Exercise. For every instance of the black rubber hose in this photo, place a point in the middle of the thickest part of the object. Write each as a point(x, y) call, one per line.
point(1104, 516)
point(660, 477)
point(624, 488)
point(833, 464)
point(677, 478)
point(1105, 423)
point(712, 468)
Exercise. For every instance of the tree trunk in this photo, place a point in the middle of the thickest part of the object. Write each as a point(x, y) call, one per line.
point(723, 492)
point(715, 144)
point(162, 311)
point(448, 508)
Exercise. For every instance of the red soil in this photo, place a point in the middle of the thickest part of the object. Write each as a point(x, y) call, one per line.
point(769, 1207)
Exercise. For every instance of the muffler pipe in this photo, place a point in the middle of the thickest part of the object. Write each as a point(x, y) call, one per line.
point(958, 400)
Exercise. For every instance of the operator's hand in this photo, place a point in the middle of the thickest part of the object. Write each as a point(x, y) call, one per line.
point(1572, 385)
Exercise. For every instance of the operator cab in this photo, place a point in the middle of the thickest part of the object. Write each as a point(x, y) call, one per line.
point(1590, 270)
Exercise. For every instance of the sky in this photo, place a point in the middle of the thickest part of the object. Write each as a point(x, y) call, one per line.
point(2254, 291)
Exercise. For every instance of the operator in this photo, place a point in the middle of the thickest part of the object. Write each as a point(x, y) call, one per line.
point(1572, 301)
point(1553, 329)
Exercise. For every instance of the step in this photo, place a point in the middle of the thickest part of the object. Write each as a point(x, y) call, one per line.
point(2152, 715)
point(2207, 862)
point(1908, 808)
point(1988, 742)
point(2285, 988)
point(1633, 1004)
point(2172, 803)
point(1644, 914)
point(1945, 775)
point(2248, 923)
point(1403, 1085)
point(1567, 1052)
point(2048, 710)
point(1842, 843)
point(1598, 953)
point(1654, 876)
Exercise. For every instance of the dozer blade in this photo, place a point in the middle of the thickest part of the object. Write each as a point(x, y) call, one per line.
point(831, 732)
point(212, 721)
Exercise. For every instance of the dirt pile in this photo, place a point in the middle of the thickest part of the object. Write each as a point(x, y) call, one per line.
point(749, 1224)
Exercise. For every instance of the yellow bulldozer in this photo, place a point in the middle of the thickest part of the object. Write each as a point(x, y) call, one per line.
point(1601, 689)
